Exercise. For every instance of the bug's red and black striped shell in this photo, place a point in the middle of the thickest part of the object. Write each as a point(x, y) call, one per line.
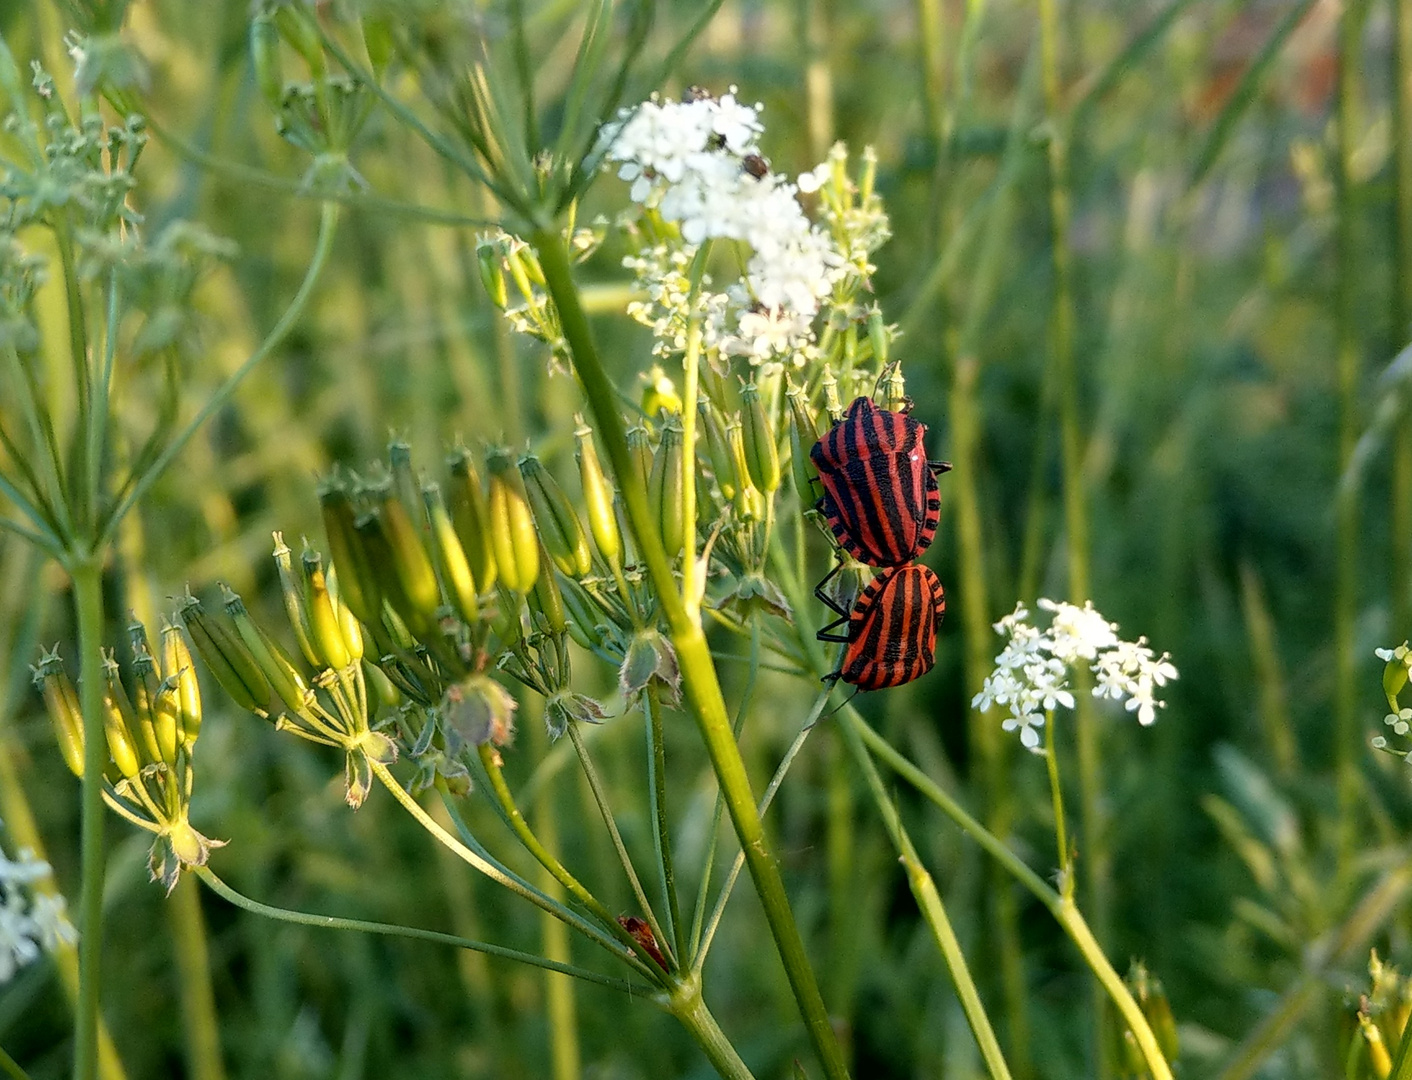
point(892, 629)
point(880, 494)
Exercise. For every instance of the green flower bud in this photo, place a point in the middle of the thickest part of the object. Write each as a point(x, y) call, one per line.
point(324, 628)
point(559, 527)
point(451, 559)
point(761, 458)
point(177, 667)
point(1395, 676)
point(803, 434)
point(358, 584)
point(274, 663)
point(546, 600)
point(640, 450)
point(264, 53)
point(718, 449)
point(878, 335)
point(61, 703)
point(664, 489)
point(492, 273)
point(512, 525)
point(118, 722)
point(227, 658)
point(470, 514)
point(410, 561)
point(295, 604)
point(597, 497)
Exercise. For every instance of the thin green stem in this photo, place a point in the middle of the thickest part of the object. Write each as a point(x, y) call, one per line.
point(10, 1067)
point(98, 429)
point(198, 999)
point(662, 833)
point(516, 820)
point(493, 872)
point(45, 445)
point(1400, 512)
point(929, 902)
point(691, 378)
point(688, 1006)
point(83, 377)
point(1056, 796)
point(600, 799)
point(138, 486)
point(333, 922)
point(87, 573)
point(699, 682)
point(45, 543)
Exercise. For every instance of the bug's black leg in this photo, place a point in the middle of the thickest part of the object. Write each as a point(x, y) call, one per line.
point(833, 639)
point(828, 601)
point(939, 467)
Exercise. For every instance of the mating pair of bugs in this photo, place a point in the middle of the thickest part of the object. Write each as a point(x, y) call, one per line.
point(882, 502)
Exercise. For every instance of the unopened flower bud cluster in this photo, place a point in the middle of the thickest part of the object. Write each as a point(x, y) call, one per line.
point(1032, 673)
point(32, 922)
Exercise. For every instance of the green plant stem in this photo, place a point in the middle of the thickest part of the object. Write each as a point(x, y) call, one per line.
point(662, 833)
point(87, 574)
point(138, 486)
point(689, 1007)
point(334, 922)
point(198, 1001)
point(1400, 511)
point(1065, 911)
point(600, 799)
point(10, 1067)
point(83, 379)
point(495, 874)
point(699, 682)
point(1348, 350)
point(924, 891)
point(1056, 796)
point(691, 377)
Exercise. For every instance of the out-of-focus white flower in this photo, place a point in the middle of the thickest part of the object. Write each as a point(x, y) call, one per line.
point(1031, 675)
point(30, 921)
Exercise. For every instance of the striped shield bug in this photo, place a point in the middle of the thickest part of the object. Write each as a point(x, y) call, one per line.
point(880, 492)
point(891, 629)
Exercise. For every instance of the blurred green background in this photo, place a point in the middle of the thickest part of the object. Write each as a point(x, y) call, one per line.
point(1232, 245)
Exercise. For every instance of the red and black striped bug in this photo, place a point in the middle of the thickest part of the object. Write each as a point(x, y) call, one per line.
point(891, 634)
point(880, 492)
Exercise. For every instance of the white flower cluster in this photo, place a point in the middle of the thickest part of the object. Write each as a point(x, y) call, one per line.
point(1399, 719)
point(1031, 675)
point(30, 921)
point(697, 164)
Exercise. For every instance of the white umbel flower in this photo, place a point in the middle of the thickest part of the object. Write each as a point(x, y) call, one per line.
point(1032, 672)
point(31, 922)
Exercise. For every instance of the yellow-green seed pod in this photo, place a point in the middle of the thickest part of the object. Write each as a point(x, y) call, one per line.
point(295, 28)
point(410, 561)
point(157, 727)
point(118, 720)
point(347, 621)
point(664, 489)
point(803, 434)
point(295, 606)
point(894, 388)
point(274, 663)
point(719, 390)
point(470, 514)
point(61, 703)
point(564, 540)
point(532, 267)
point(747, 497)
point(264, 54)
point(518, 266)
point(640, 451)
point(492, 273)
point(405, 484)
point(358, 583)
point(227, 657)
point(545, 599)
point(383, 688)
point(718, 448)
point(512, 525)
point(832, 405)
point(582, 615)
point(451, 560)
point(658, 393)
point(761, 457)
point(178, 667)
point(597, 497)
point(324, 627)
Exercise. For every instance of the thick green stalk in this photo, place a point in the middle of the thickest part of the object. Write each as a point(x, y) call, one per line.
point(198, 1001)
point(11, 1068)
point(924, 891)
point(688, 1006)
point(1348, 351)
point(1401, 509)
point(699, 682)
